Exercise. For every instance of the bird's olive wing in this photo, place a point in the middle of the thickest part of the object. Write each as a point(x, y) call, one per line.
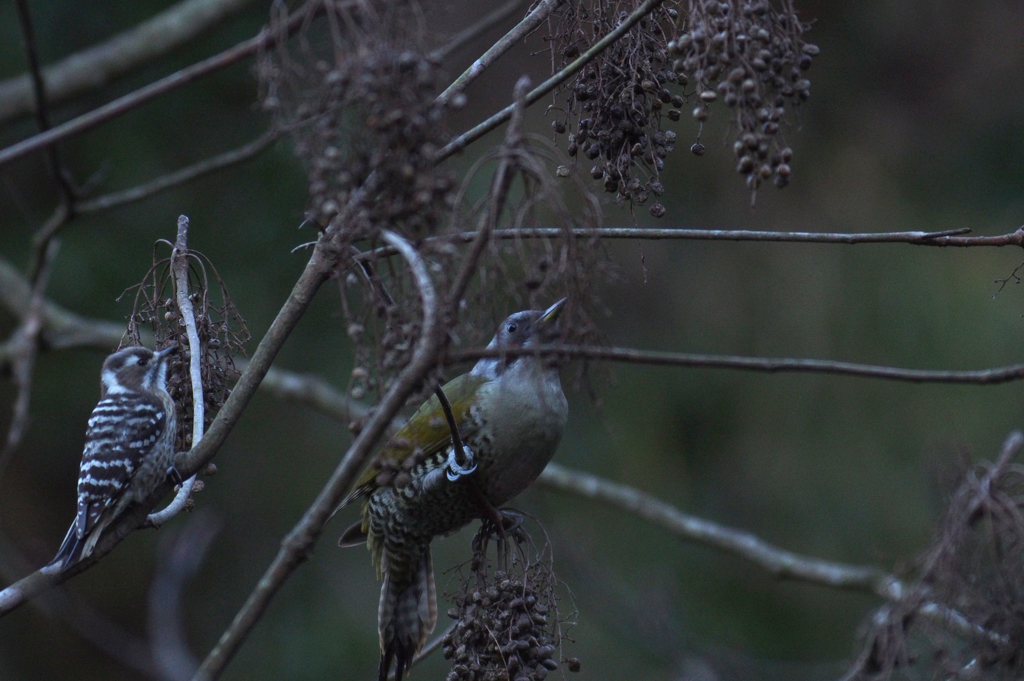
point(427, 432)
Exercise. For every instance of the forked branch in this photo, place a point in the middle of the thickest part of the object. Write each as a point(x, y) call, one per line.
point(296, 546)
point(179, 269)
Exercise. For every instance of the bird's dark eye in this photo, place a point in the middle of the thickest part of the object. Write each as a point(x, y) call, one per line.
point(511, 328)
point(143, 361)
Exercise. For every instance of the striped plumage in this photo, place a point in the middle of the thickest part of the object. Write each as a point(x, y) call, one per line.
point(510, 413)
point(129, 446)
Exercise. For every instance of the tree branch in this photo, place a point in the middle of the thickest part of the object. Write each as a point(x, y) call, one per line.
point(472, 32)
point(779, 562)
point(531, 21)
point(180, 557)
point(297, 545)
point(952, 237)
point(462, 141)
point(96, 66)
point(22, 350)
point(1003, 374)
point(183, 300)
point(179, 177)
point(264, 39)
point(40, 102)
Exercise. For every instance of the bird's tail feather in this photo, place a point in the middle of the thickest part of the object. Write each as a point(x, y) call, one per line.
point(78, 546)
point(70, 550)
point(406, 617)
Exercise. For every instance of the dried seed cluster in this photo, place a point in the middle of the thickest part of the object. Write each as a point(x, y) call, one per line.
point(751, 56)
point(363, 112)
point(618, 99)
point(506, 629)
point(221, 329)
point(748, 54)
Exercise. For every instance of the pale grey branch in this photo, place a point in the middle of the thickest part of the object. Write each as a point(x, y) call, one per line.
point(96, 66)
point(532, 20)
point(179, 266)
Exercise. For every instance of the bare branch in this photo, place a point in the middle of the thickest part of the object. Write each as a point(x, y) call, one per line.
point(1004, 374)
point(471, 33)
point(61, 216)
point(496, 201)
point(532, 20)
point(462, 141)
point(265, 38)
point(179, 265)
point(952, 237)
point(81, 616)
point(61, 327)
point(781, 563)
point(96, 66)
point(179, 177)
point(296, 546)
point(180, 558)
point(23, 348)
point(39, 101)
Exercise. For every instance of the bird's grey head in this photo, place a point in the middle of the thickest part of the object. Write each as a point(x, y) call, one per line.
point(526, 329)
point(135, 369)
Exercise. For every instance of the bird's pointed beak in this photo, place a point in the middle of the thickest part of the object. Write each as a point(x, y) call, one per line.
point(552, 313)
point(169, 350)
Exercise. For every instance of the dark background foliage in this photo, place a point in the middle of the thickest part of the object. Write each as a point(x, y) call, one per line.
point(915, 122)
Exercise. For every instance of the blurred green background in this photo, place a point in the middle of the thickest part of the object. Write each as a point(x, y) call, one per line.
point(916, 122)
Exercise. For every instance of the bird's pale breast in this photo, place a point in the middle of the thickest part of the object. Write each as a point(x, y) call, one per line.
point(526, 414)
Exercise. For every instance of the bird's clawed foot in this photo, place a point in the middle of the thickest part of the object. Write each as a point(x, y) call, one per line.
point(174, 476)
point(455, 468)
point(503, 524)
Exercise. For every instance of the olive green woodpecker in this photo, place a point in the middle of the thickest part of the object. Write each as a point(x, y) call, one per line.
point(510, 413)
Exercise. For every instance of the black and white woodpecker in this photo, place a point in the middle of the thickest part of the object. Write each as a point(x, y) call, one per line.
point(129, 446)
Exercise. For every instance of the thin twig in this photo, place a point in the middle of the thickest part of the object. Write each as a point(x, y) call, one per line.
point(63, 213)
point(41, 239)
point(23, 349)
point(453, 426)
point(179, 560)
point(951, 237)
point(61, 328)
point(1003, 374)
point(40, 101)
point(496, 202)
point(179, 266)
point(469, 34)
point(462, 141)
point(94, 67)
point(532, 20)
point(265, 38)
point(179, 177)
point(296, 546)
